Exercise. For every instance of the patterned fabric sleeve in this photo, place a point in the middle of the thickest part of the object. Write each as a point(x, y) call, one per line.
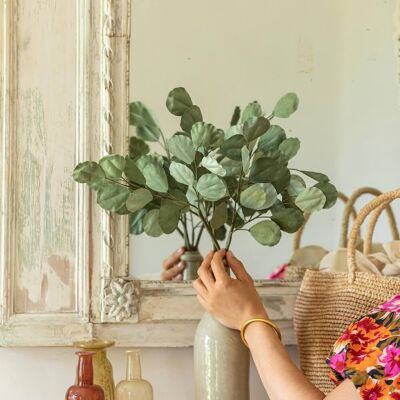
point(368, 353)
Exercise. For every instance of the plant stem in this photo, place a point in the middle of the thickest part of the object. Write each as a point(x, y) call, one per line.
point(185, 238)
point(199, 236)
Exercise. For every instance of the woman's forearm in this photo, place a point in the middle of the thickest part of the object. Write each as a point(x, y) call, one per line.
point(280, 376)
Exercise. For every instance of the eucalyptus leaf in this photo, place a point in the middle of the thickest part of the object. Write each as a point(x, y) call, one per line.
point(190, 117)
point(286, 105)
point(133, 173)
point(245, 160)
point(137, 147)
point(219, 216)
point(232, 148)
point(259, 196)
point(220, 233)
point(231, 167)
point(271, 140)
point(153, 171)
point(289, 219)
point(136, 222)
point(252, 110)
point(88, 172)
point(181, 173)
point(206, 135)
point(317, 176)
point(266, 233)
point(211, 187)
point(113, 165)
point(255, 127)
point(310, 200)
point(289, 147)
point(151, 224)
point(138, 199)
point(330, 193)
point(169, 215)
point(191, 196)
point(112, 197)
point(182, 148)
point(178, 101)
point(145, 122)
point(233, 130)
point(235, 116)
point(296, 185)
point(212, 165)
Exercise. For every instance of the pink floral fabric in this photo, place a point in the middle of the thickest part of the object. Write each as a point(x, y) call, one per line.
point(368, 353)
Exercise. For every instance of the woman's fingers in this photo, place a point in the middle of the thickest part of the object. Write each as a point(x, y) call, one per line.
point(173, 258)
point(218, 267)
point(204, 271)
point(200, 288)
point(237, 267)
point(172, 272)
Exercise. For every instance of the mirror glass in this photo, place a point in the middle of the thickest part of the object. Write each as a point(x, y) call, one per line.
point(340, 57)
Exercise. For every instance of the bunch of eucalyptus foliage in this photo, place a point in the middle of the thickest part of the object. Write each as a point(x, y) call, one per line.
point(209, 178)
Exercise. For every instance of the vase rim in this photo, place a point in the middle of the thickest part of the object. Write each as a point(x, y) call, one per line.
point(93, 344)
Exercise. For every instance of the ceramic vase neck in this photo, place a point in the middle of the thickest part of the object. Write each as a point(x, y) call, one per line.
point(133, 367)
point(85, 368)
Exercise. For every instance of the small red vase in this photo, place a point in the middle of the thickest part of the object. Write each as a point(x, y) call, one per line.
point(84, 388)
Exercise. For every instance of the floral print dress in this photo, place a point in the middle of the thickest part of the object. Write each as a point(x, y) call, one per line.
point(368, 353)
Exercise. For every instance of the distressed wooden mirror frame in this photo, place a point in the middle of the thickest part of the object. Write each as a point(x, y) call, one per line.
point(109, 303)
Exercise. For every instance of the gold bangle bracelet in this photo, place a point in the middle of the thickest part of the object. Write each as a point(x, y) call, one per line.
point(265, 321)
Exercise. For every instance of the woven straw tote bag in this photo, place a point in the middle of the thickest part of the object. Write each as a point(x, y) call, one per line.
point(328, 302)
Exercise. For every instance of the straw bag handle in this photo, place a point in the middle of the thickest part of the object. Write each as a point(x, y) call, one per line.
point(376, 207)
point(299, 234)
point(348, 211)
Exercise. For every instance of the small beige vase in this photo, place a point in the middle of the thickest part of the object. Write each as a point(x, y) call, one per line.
point(134, 387)
point(192, 260)
point(102, 368)
point(221, 362)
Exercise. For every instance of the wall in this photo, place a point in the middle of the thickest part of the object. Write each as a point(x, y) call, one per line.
point(345, 73)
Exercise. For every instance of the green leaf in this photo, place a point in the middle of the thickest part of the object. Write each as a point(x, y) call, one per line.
point(245, 160)
point(271, 140)
point(286, 105)
point(136, 222)
point(190, 117)
point(255, 127)
point(220, 233)
point(289, 219)
point(145, 122)
point(232, 148)
point(212, 165)
point(88, 172)
point(151, 223)
point(310, 200)
point(113, 165)
point(317, 176)
point(153, 171)
point(220, 216)
point(211, 187)
point(252, 110)
point(258, 196)
point(330, 193)
point(296, 185)
point(191, 196)
point(289, 147)
point(112, 197)
point(206, 135)
point(182, 148)
point(138, 199)
point(178, 101)
point(231, 167)
point(181, 173)
point(133, 173)
point(169, 215)
point(235, 116)
point(233, 130)
point(137, 147)
point(268, 170)
point(266, 233)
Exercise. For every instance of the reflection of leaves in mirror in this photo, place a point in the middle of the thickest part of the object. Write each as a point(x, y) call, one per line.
point(209, 179)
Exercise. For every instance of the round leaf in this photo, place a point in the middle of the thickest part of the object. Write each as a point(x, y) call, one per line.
point(132, 172)
point(112, 197)
point(255, 127)
point(270, 140)
point(206, 135)
point(220, 216)
point(190, 117)
point(151, 223)
point(153, 171)
point(169, 216)
point(88, 172)
point(178, 101)
point(232, 148)
point(213, 166)
point(317, 176)
point(310, 200)
point(211, 187)
point(233, 130)
point(113, 165)
point(266, 233)
point(145, 122)
point(137, 147)
point(289, 147)
point(252, 110)
point(258, 196)
point(286, 105)
point(289, 219)
point(296, 185)
point(182, 148)
point(136, 222)
point(138, 199)
point(181, 173)
point(330, 193)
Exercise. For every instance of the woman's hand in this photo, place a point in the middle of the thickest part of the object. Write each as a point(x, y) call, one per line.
point(230, 301)
point(173, 266)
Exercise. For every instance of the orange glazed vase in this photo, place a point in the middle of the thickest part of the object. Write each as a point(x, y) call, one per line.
point(84, 388)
